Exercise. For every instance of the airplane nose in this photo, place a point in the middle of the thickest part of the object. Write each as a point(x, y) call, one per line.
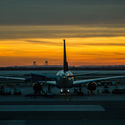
point(64, 77)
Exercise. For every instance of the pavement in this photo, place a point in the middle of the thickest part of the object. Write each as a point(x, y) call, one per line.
point(87, 110)
point(72, 110)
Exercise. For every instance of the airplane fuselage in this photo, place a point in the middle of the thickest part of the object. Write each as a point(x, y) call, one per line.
point(64, 80)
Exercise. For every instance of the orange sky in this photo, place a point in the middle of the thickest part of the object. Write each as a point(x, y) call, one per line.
point(20, 45)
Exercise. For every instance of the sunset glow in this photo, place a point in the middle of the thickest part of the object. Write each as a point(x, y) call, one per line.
point(22, 48)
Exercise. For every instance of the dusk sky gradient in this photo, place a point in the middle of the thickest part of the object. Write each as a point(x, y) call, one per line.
point(34, 30)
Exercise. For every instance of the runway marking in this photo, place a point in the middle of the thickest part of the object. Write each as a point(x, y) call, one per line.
point(9, 108)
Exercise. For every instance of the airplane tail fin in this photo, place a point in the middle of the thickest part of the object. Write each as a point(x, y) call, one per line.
point(65, 63)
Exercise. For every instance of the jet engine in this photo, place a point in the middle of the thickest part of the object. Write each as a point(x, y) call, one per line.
point(91, 86)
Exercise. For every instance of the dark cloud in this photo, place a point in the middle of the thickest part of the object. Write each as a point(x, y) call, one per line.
point(43, 42)
point(102, 54)
point(58, 32)
point(103, 44)
point(34, 41)
point(39, 12)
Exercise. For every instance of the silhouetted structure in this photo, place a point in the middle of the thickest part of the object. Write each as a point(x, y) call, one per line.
point(34, 63)
point(46, 62)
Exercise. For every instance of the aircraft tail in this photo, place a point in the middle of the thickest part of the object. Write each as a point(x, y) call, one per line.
point(65, 63)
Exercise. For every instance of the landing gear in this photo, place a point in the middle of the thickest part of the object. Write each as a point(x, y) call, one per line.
point(64, 92)
point(78, 91)
point(49, 89)
point(38, 89)
point(49, 92)
point(90, 92)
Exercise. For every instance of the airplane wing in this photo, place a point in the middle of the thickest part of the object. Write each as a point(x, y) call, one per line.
point(83, 74)
point(33, 78)
point(36, 75)
point(51, 82)
point(12, 78)
point(96, 79)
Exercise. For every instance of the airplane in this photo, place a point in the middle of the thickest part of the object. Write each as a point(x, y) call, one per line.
point(64, 79)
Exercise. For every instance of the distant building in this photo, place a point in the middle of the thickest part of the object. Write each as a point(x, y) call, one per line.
point(46, 62)
point(34, 63)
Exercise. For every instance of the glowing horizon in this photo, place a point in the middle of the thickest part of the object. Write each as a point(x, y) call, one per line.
point(85, 45)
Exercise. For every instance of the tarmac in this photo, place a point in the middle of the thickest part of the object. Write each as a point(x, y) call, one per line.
point(72, 110)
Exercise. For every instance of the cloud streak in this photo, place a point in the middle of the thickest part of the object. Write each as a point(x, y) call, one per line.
point(102, 44)
point(43, 42)
point(66, 31)
point(41, 12)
